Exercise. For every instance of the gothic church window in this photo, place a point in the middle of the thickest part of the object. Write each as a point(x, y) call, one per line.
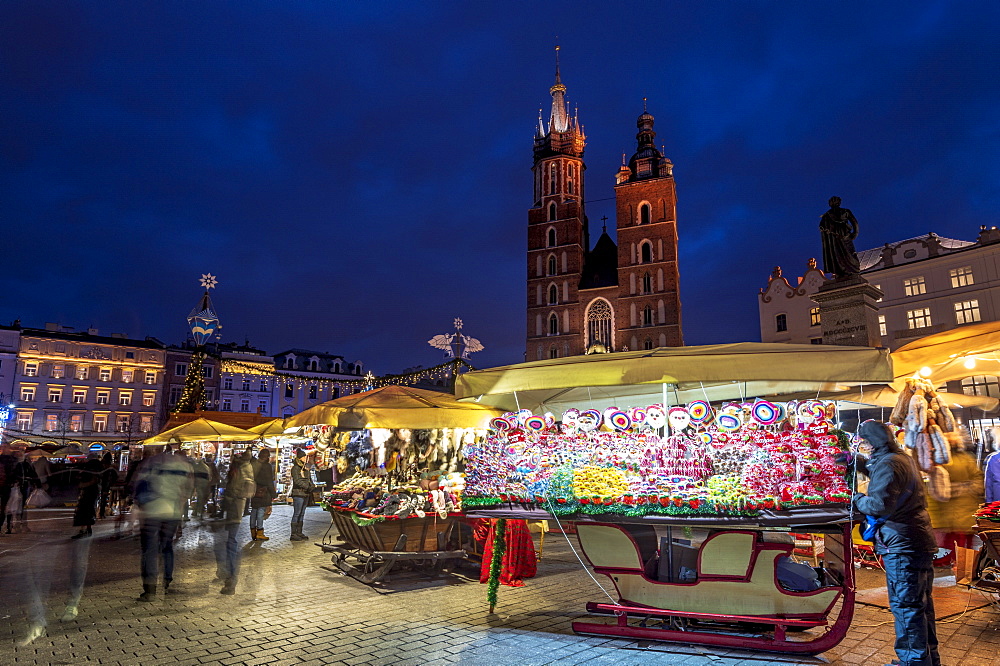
point(647, 283)
point(552, 265)
point(554, 352)
point(645, 253)
point(644, 214)
point(553, 294)
point(552, 236)
point(647, 316)
point(552, 211)
point(552, 178)
point(647, 344)
point(553, 324)
point(599, 323)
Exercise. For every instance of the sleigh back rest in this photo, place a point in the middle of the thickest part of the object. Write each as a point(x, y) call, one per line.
point(727, 554)
point(612, 547)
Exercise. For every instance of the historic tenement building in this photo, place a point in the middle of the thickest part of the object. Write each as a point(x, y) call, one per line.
point(614, 296)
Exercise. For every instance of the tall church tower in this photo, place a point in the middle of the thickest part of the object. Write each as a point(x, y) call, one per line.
point(649, 307)
point(557, 232)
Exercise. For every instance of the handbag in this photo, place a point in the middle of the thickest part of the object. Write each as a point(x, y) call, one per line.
point(267, 512)
point(38, 499)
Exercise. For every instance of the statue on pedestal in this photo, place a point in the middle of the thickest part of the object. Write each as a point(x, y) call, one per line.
point(838, 228)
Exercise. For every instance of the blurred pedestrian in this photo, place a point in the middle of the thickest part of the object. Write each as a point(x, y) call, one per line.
point(302, 489)
point(240, 486)
point(85, 514)
point(904, 539)
point(163, 485)
point(186, 504)
point(953, 518)
point(26, 481)
point(109, 475)
point(7, 464)
point(260, 503)
point(202, 481)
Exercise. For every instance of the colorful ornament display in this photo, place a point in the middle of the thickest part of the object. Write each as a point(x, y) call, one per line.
point(700, 411)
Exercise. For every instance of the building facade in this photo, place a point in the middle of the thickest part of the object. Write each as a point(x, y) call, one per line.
point(243, 391)
point(82, 388)
point(309, 378)
point(9, 336)
point(177, 367)
point(612, 296)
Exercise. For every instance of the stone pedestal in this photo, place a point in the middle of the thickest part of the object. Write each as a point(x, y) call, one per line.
point(848, 311)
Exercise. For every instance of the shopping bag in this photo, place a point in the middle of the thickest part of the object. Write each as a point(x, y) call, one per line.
point(267, 512)
point(38, 499)
point(14, 501)
point(965, 564)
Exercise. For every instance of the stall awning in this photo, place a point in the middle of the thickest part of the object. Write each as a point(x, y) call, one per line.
point(202, 430)
point(396, 407)
point(716, 372)
point(954, 354)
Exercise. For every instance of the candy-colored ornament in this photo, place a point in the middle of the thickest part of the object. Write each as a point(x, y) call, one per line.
point(535, 423)
point(700, 411)
point(766, 413)
point(679, 419)
point(500, 424)
point(618, 420)
point(655, 416)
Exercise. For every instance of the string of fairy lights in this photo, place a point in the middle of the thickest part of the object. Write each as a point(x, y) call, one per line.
point(243, 370)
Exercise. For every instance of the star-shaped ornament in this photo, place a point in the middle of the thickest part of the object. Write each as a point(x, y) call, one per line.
point(209, 281)
point(458, 324)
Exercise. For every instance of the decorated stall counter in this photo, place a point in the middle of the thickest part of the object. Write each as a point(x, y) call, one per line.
point(689, 460)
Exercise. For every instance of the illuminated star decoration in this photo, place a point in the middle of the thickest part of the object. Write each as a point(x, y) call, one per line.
point(209, 281)
point(456, 345)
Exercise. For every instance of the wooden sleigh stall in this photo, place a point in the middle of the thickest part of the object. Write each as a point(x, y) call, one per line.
point(372, 547)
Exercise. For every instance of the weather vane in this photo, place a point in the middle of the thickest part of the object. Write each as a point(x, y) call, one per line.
point(456, 345)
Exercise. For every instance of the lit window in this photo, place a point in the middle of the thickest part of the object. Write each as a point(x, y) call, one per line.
point(127, 375)
point(24, 420)
point(553, 294)
point(882, 330)
point(27, 393)
point(30, 369)
point(58, 370)
point(76, 422)
point(647, 283)
point(646, 253)
point(781, 323)
point(227, 404)
point(981, 385)
point(814, 316)
point(967, 312)
point(879, 287)
point(244, 405)
point(914, 286)
point(644, 219)
point(289, 391)
point(55, 395)
point(150, 377)
point(100, 422)
point(961, 277)
point(123, 422)
point(105, 374)
point(124, 399)
point(79, 396)
point(148, 399)
point(552, 238)
point(313, 392)
point(103, 397)
point(181, 369)
point(227, 383)
point(647, 316)
point(552, 265)
point(51, 422)
point(553, 325)
point(263, 384)
point(145, 423)
point(919, 318)
point(246, 384)
point(82, 372)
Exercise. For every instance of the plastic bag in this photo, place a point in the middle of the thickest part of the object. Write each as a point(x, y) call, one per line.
point(39, 499)
point(14, 501)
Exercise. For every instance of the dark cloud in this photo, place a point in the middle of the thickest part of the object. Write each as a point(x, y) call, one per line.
point(358, 174)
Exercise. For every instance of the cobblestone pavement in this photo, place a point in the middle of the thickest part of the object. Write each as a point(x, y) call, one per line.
point(291, 608)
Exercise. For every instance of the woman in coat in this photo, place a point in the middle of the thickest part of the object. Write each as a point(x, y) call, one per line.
point(260, 503)
point(302, 488)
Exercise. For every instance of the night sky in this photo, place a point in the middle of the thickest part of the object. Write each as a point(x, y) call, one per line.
point(357, 174)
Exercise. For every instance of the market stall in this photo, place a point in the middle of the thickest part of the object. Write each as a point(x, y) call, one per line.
point(399, 450)
point(686, 480)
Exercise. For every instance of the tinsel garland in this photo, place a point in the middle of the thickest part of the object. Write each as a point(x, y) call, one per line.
point(496, 562)
point(364, 522)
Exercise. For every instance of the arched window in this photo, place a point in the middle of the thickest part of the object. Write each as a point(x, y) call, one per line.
point(553, 352)
point(600, 322)
point(552, 265)
point(553, 294)
point(644, 214)
point(647, 283)
point(552, 237)
point(647, 344)
point(553, 324)
point(647, 316)
point(552, 178)
point(552, 211)
point(646, 253)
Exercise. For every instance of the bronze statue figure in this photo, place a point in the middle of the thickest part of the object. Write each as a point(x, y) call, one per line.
point(838, 229)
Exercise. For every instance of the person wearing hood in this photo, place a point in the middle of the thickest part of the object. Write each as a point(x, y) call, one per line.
point(905, 541)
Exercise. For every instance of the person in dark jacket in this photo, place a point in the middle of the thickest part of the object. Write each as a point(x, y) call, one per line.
point(302, 488)
point(261, 501)
point(26, 481)
point(85, 514)
point(905, 541)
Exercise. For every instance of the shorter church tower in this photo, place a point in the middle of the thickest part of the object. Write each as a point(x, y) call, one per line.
point(649, 307)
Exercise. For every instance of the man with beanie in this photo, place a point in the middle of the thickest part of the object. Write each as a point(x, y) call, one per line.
point(905, 541)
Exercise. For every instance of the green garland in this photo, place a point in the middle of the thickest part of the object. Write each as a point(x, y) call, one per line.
point(364, 522)
point(496, 562)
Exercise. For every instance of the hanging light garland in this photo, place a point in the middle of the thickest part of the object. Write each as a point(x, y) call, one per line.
point(250, 370)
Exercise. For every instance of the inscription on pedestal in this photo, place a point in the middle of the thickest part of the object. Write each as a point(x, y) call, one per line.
point(848, 313)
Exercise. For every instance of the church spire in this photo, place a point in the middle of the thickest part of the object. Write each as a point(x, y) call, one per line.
point(559, 119)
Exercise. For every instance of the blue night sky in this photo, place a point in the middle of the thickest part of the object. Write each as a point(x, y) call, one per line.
point(358, 173)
